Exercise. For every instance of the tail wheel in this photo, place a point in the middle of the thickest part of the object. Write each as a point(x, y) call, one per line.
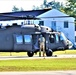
point(49, 52)
point(30, 54)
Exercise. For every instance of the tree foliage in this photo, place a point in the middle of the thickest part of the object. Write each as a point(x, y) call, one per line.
point(15, 9)
point(46, 4)
point(55, 5)
point(70, 8)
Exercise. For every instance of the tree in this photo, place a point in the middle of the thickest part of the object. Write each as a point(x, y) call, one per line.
point(21, 9)
point(70, 8)
point(15, 9)
point(55, 5)
point(46, 4)
point(35, 7)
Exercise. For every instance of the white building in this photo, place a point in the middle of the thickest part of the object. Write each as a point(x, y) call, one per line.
point(53, 19)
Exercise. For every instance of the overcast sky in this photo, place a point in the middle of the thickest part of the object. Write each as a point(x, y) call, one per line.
point(7, 5)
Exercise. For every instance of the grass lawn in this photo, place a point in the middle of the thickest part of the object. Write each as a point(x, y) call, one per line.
point(13, 54)
point(65, 52)
point(38, 64)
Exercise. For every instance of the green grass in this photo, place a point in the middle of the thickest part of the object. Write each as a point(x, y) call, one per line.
point(38, 64)
point(13, 53)
point(65, 52)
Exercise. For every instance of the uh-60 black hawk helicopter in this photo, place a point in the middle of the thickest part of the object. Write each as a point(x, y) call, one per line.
point(31, 38)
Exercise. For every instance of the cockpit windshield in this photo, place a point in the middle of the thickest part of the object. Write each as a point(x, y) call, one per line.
point(62, 36)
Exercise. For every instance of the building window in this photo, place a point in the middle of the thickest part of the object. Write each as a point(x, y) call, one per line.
point(27, 38)
point(66, 24)
point(19, 39)
point(53, 25)
point(41, 23)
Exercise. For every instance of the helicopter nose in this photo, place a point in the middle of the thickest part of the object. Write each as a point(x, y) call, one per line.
point(70, 45)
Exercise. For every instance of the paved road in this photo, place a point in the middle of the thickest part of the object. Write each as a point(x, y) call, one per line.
point(40, 73)
point(35, 57)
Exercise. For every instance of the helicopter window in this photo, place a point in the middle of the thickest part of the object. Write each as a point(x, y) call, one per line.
point(52, 38)
point(19, 39)
point(27, 38)
point(65, 24)
point(57, 38)
point(62, 37)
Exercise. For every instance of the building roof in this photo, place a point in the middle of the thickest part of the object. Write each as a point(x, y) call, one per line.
point(54, 13)
point(13, 15)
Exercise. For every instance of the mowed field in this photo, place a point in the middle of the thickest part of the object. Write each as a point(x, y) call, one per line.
point(38, 64)
point(65, 52)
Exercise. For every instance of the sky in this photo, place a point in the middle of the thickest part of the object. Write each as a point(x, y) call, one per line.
point(7, 5)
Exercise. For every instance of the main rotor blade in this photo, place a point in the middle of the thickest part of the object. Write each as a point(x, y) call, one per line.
point(29, 17)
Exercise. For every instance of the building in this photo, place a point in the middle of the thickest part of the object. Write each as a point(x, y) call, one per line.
point(51, 18)
point(55, 20)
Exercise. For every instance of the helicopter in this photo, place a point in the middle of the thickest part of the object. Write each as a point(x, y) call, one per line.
point(31, 38)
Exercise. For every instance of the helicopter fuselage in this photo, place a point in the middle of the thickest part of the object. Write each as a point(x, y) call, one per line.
point(28, 38)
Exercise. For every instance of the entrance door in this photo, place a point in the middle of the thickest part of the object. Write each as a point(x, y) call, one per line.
point(53, 25)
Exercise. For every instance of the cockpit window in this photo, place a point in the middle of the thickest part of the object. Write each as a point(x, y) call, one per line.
point(19, 39)
point(27, 38)
point(62, 36)
point(57, 38)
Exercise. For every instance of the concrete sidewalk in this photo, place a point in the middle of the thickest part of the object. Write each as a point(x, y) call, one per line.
point(40, 73)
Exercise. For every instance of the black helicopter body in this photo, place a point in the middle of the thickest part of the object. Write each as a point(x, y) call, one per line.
point(31, 38)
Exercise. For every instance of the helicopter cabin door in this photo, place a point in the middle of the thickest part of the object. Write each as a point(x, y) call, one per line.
point(22, 42)
point(53, 41)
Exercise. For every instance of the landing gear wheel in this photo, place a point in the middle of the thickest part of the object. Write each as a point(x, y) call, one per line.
point(49, 53)
point(30, 54)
